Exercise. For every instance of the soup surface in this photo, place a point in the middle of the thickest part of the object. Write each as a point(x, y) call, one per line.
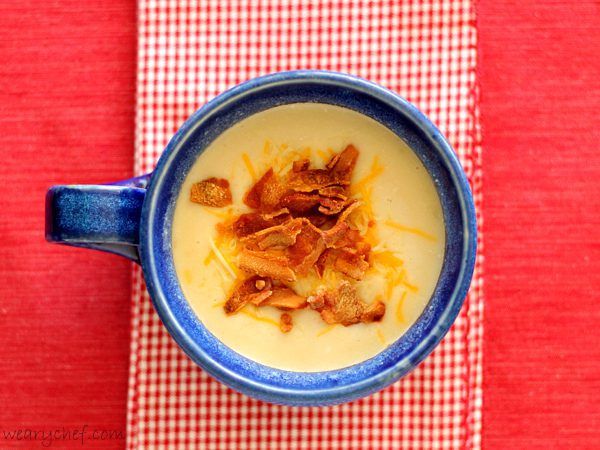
point(406, 234)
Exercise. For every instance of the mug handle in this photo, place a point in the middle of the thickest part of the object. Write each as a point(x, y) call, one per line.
point(103, 217)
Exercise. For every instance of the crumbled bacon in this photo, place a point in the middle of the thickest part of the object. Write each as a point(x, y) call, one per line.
point(342, 165)
point(350, 263)
point(307, 249)
point(211, 192)
point(300, 165)
point(276, 237)
point(341, 227)
point(285, 323)
point(320, 221)
point(331, 205)
point(266, 264)
point(318, 300)
point(251, 223)
point(345, 307)
point(349, 238)
point(299, 202)
point(260, 297)
point(244, 293)
point(322, 262)
point(300, 222)
point(374, 312)
point(310, 180)
point(334, 191)
point(265, 194)
point(286, 299)
point(345, 260)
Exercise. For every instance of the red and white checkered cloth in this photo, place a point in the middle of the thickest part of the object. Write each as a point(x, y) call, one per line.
point(188, 52)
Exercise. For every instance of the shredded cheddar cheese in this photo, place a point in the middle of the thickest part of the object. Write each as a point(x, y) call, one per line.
point(399, 307)
point(393, 279)
point(387, 258)
point(285, 158)
point(380, 335)
point(411, 287)
point(267, 148)
point(249, 166)
point(218, 214)
point(376, 170)
point(325, 155)
point(228, 267)
point(188, 277)
point(417, 231)
point(259, 318)
point(209, 258)
point(326, 330)
point(225, 277)
point(371, 236)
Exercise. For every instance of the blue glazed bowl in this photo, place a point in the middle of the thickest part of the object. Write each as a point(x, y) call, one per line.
point(133, 218)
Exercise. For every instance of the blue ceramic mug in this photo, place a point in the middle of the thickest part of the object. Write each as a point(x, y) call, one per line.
point(133, 218)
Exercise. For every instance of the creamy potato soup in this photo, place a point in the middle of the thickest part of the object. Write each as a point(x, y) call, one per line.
point(377, 199)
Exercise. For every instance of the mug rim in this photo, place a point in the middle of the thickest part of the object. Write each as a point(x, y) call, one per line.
point(365, 386)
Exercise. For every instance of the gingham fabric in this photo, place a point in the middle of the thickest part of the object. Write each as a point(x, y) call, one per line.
point(188, 52)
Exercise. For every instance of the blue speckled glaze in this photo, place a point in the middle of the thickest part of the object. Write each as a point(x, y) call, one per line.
point(103, 217)
point(298, 388)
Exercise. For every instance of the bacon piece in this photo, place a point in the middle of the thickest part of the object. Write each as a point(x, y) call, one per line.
point(320, 220)
point(285, 323)
point(280, 214)
point(260, 284)
point(350, 238)
point(332, 200)
point(266, 264)
point(300, 165)
point(260, 297)
point(299, 202)
point(243, 293)
point(349, 210)
point(265, 193)
point(334, 191)
point(344, 306)
point(285, 298)
point(363, 248)
point(213, 192)
point(342, 165)
point(307, 249)
point(279, 236)
point(374, 312)
point(341, 227)
point(310, 180)
point(334, 234)
point(322, 262)
point(253, 196)
point(350, 263)
point(319, 300)
point(331, 205)
point(251, 223)
point(265, 288)
point(338, 173)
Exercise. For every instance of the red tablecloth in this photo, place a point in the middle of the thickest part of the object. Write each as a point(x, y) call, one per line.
point(66, 102)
